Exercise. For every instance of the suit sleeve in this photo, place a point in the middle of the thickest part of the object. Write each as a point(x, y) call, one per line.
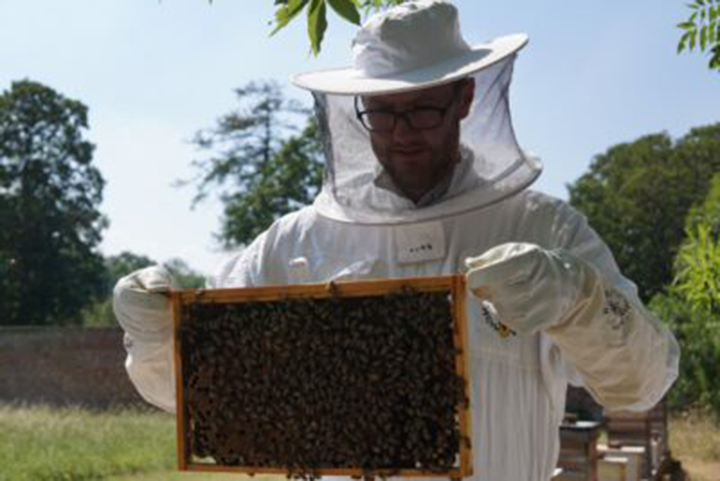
point(623, 355)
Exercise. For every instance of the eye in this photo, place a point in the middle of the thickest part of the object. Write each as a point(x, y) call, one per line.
point(379, 119)
point(425, 118)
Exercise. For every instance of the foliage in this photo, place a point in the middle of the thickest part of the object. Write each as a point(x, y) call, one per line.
point(128, 262)
point(123, 264)
point(698, 333)
point(348, 10)
point(637, 195)
point(702, 28)
point(698, 274)
point(288, 181)
point(264, 167)
point(50, 225)
point(692, 306)
point(697, 265)
point(100, 313)
point(185, 277)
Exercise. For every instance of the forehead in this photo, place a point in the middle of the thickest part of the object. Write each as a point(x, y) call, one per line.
point(439, 94)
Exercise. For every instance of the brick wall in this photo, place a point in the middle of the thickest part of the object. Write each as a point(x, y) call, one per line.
point(64, 366)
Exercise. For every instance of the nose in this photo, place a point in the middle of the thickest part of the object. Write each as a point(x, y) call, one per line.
point(403, 130)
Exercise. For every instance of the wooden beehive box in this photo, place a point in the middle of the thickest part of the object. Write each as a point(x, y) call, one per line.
point(354, 378)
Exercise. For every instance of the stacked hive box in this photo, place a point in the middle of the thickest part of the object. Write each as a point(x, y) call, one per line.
point(646, 430)
point(578, 453)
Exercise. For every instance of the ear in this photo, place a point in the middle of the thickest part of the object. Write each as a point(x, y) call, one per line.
point(467, 96)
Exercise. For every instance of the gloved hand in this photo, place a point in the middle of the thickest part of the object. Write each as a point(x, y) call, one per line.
point(142, 306)
point(531, 288)
point(626, 358)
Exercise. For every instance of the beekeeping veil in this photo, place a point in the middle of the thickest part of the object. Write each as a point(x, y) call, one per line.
point(410, 47)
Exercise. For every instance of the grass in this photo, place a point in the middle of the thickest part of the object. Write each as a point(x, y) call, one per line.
point(40, 443)
point(695, 436)
point(695, 440)
point(73, 444)
point(177, 476)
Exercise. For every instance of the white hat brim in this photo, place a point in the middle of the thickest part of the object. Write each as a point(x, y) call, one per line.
point(349, 81)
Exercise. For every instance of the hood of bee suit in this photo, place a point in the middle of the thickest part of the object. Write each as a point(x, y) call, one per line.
point(395, 53)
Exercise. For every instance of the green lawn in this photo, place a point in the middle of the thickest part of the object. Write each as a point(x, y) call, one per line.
point(177, 476)
point(73, 444)
point(49, 444)
point(46, 444)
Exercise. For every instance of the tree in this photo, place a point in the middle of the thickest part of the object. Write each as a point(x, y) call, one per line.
point(50, 225)
point(260, 165)
point(697, 265)
point(692, 306)
point(288, 181)
point(100, 313)
point(349, 10)
point(702, 28)
point(120, 265)
point(637, 196)
point(185, 276)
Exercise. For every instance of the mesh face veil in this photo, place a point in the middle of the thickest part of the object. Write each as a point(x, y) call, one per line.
point(492, 166)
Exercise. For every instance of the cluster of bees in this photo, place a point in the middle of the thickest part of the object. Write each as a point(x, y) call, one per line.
point(364, 383)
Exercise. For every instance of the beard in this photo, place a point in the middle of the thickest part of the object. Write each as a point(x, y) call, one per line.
point(417, 167)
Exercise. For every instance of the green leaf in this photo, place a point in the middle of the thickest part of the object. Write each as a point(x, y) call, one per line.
point(287, 12)
point(317, 24)
point(682, 44)
point(712, 30)
point(346, 9)
point(693, 39)
point(703, 38)
point(686, 25)
point(715, 59)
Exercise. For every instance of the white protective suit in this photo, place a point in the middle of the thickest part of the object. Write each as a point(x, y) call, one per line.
point(534, 262)
point(518, 382)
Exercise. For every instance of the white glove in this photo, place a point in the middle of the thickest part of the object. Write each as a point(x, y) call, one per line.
point(144, 311)
point(142, 306)
point(627, 359)
point(531, 288)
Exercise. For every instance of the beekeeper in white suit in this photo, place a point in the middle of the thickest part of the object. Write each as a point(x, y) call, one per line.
point(424, 177)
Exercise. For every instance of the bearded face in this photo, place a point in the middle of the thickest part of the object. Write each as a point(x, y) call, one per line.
point(416, 135)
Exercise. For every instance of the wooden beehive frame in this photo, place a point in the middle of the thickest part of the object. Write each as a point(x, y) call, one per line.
point(454, 285)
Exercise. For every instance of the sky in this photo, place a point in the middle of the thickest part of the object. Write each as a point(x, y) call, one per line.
point(153, 73)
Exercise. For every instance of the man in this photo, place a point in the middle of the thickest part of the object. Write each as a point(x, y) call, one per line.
point(424, 178)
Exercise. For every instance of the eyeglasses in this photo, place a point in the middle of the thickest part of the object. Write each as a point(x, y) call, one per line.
point(419, 118)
